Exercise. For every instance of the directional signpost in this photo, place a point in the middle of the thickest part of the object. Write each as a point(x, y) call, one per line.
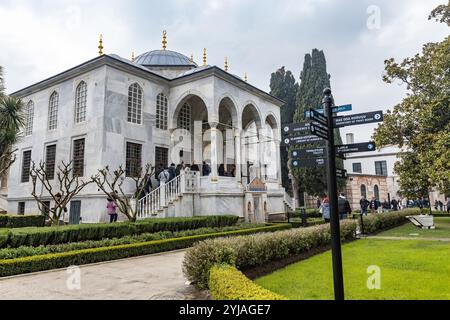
point(309, 153)
point(354, 148)
point(309, 163)
point(321, 128)
point(341, 173)
point(339, 109)
point(301, 140)
point(358, 119)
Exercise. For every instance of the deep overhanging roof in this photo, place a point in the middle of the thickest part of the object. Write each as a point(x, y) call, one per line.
point(125, 65)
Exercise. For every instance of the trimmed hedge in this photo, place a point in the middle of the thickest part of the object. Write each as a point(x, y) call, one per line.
point(250, 251)
point(378, 222)
point(35, 237)
point(79, 257)
point(21, 252)
point(228, 283)
point(15, 221)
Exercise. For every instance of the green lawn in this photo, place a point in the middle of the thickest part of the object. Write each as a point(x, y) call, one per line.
point(409, 230)
point(410, 269)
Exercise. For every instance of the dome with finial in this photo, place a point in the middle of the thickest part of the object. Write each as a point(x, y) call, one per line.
point(164, 57)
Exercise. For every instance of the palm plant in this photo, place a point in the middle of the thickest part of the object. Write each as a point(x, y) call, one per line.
point(12, 120)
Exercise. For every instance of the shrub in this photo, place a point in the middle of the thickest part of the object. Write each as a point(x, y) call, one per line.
point(228, 283)
point(79, 257)
point(67, 234)
point(24, 251)
point(15, 221)
point(378, 222)
point(249, 251)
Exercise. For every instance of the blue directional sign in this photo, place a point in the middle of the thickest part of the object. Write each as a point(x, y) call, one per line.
point(354, 148)
point(338, 109)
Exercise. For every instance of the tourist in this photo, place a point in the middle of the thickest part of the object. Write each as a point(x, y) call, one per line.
point(325, 209)
point(386, 206)
point(344, 207)
point(112, 210)
point(233, 171)
point(374, 205)
point(448, 205)
point(441, 206)
point(364, 204)
point(436, 205)
point(318, 202)
point(180, 167)
point(172, 172)
point(222, 170)
point(195, 167)
point(148, 186)
point(206, 169)
point(164, 177)
point(395, 205)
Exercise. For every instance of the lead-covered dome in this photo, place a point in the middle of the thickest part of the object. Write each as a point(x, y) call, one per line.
point(164, 58)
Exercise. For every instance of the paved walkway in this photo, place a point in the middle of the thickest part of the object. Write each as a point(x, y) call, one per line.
point(155, 277)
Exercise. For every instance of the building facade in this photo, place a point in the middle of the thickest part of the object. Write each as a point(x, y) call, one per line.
point(158, 109)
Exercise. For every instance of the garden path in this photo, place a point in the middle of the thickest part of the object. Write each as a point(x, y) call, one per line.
point(155, 277)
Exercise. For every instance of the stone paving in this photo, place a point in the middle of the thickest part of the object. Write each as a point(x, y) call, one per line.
point(155, 277)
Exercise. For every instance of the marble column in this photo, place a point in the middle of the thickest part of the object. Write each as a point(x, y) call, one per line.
point(214, 152)
point(238, 158)
point(278, 153)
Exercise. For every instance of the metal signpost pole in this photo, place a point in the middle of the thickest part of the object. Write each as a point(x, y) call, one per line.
point(333, 196)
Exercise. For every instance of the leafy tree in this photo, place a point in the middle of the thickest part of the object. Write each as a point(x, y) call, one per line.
point(421, 122)
point(314, 79)
point(284, 87)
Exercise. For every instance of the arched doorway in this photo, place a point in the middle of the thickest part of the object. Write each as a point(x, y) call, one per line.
point(228, 122)
point(189, 124)
point(251, 156)
point(363, 191)
point(376, 192)
point(270, 153)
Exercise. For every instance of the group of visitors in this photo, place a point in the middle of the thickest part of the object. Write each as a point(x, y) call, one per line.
point(344, 208)
point(439, 205)
point(223, 173)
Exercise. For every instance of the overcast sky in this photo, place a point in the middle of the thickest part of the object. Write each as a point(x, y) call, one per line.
point(42, 38)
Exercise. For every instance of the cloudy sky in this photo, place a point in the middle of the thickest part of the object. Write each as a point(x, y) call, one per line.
point(42, 38)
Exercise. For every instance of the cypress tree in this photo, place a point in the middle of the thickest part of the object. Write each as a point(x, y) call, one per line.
point(314, 79)
point(284, 87)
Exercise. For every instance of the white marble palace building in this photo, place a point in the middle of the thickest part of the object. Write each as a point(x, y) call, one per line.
point(158, 108)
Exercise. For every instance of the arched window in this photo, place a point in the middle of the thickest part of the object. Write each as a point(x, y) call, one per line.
point(363, 192)
point(376, 192)
point(29, 117)
point(162, 105)
point(81, 102)
point(53, 111)
point(135, 104)
point(184, 118)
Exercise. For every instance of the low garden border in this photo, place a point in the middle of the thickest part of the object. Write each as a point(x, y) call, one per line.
point(31, 264)
point(16, 221)
point(35, 237)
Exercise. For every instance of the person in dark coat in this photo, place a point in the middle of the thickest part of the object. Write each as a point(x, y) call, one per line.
point(344, 207)
point(374, 205)
point(206, 169)
point(195, 167)
point(364, 204)
point(172, 172)
point(394, 204)
point(222, 170)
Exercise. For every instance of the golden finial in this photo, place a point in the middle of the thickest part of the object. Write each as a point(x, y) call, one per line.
point(204, 58)
point(226, 64)
point(164, 42)
point(133, 57)
point(100, 45)
point(246, 77)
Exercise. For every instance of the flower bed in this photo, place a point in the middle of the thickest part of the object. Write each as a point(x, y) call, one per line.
point(11, 267)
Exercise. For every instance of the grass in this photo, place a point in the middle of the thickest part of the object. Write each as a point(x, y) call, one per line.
point(410, 270)
point(410, 231)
